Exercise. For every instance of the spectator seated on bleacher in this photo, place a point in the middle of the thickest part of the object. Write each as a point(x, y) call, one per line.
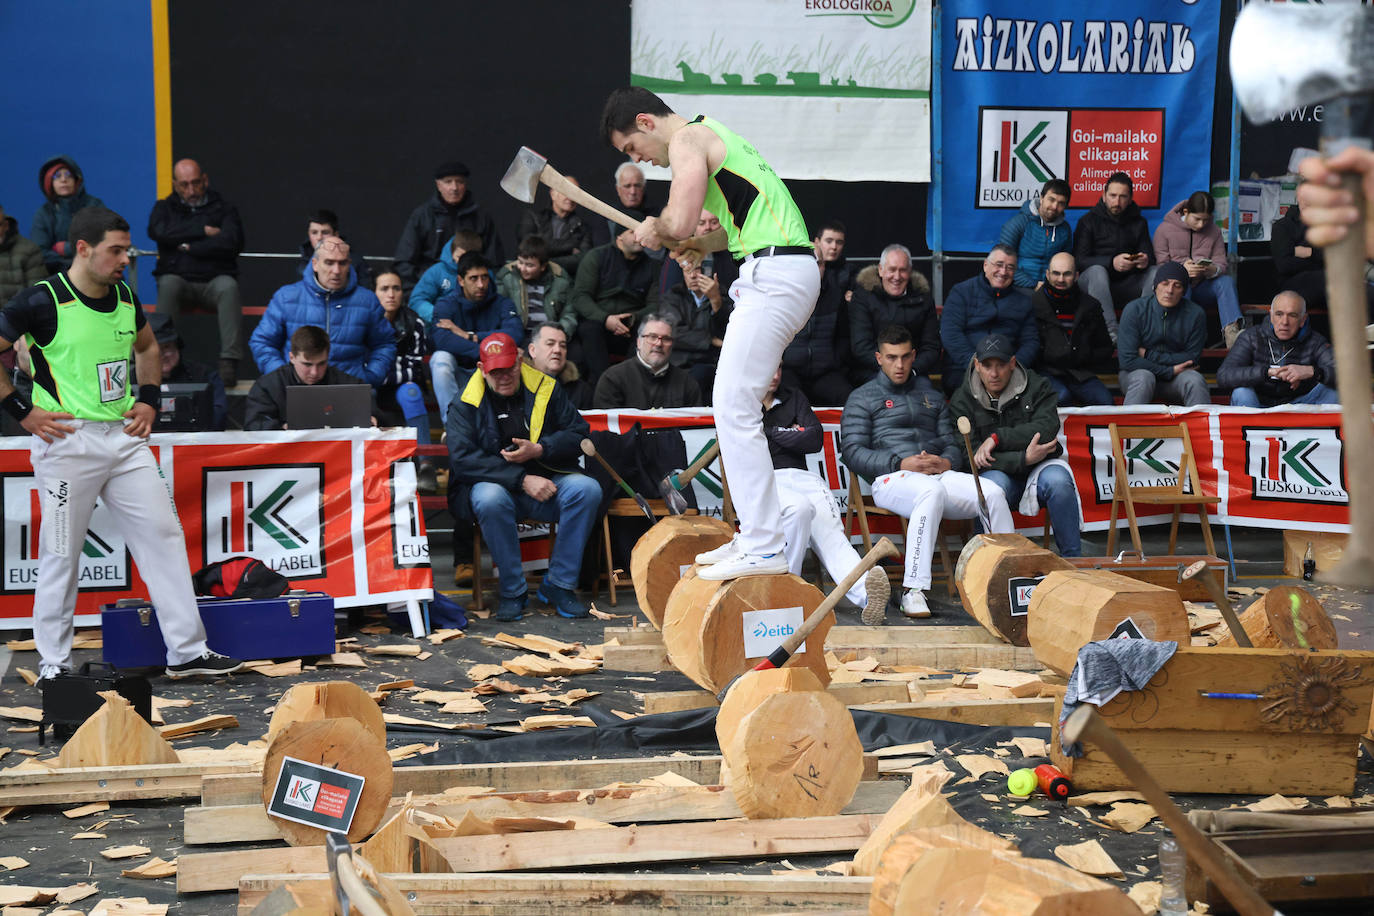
point(177, 370)
point(561, 227)
point(464, 317)
point(540, 289)
point(362, 342)
point(64, 192)
point(610, 292)
point(983, 305)
point(1301, 266)
point(318, 225)
point(547, 351)
point(892, 294)
point(1112, 247)
point(1188, 236)
point(401, 398)
point(1015, 418)
point(514, 441)
point(1038, 232)
point(308, 365)
point(1074, 343)
point(441, 277)
point(630, 199)
point(817, 360)
point(1159, 343)
point(433, 223)
point(648, 380)
point(1280, 361)
point(21, 261)
point(698, 309)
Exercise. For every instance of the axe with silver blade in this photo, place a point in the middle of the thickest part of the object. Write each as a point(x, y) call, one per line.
point(1334, 64)
point(528, 170)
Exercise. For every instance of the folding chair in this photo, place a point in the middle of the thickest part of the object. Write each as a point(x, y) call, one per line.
point(1185, 491)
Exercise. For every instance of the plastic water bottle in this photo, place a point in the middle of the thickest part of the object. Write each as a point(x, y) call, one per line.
point(1172, 864)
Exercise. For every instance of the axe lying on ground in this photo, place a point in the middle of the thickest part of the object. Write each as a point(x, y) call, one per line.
point(672, 485)
point(589, 449)
point(1334, 66)
point(528, 170)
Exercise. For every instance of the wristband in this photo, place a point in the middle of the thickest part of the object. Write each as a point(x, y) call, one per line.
point(16, 406)
point(996, 440)
point(150, 395)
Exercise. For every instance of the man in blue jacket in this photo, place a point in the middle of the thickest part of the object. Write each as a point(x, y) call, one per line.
point(983, 305)
point(513, 441)
point(362, 342)
point(1038, 232)
point(441, 277)
point(463, 317)
point(1159, 342)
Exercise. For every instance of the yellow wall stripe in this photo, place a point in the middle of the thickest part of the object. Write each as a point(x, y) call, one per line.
point(162, 97)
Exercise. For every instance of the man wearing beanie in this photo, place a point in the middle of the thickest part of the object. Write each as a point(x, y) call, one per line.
point(432, 224)
point(1159, 342)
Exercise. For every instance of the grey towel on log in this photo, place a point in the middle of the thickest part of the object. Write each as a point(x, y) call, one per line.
point(1107, 667)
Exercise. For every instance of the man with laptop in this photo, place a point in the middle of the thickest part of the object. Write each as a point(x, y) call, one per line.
point(307, 392)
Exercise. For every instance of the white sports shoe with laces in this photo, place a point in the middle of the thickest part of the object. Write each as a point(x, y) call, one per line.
point(745, 564)
point(724, 552)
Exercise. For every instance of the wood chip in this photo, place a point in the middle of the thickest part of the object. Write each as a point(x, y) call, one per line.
point(1090, 858)
point(538, 723)
point(11, 863)
point(920, 749)
point(22, 713)
point(1029, 811)
point(1147, 895)
point(74, 892)
point(602, 615)
point(155, 867)
point(341, 660)
point(1029, 747)
point(979, 765)
point(482, 672)
point(1128, 817)
point(375, 629)
point(411, 750)
point(464, 706)
point(274, 669)
point(16, 895)
point(83, 810)
point(440, 696)
point(1103, 798)
point(439, 637)
point(28, 675)
point(1337, 801)
point(125, 852)
point(537, 666)
point(89, 835)
point(1277, 803)
point(203, 724)
point(128, 906)
point(497, 685)
point(393, 719)
point(399, 649)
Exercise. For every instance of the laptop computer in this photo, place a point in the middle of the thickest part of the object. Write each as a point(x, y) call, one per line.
point(186, 407)
point(328, 406)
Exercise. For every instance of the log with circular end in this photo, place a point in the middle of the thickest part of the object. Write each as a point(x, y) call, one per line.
point(993, 574)
point(340, 744)
point(751, 690)
point(662, 554)
point(904, 849)
point(796, 755)
point(1072, 608)
point(327, 700)
point(1286, 617)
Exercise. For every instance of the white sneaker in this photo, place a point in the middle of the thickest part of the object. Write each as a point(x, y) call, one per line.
point(724, 552)
point(879, 589)
point(47, 672)
point(745, 564)
point(914, 604)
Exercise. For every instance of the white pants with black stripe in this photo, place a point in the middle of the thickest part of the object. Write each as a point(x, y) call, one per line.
point(101, 460)
point(773, 297)
point(924, 499)
point(810, 518)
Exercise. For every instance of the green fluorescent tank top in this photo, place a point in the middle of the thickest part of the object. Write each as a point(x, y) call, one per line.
point(749, 199)
point(88, 357)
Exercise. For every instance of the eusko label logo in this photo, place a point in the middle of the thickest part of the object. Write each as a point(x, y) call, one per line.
point(301, 793)
point(1149, 462)
point(410, 545)
point(1302, 465)
point(272, 513)
point(103, 563)
point(1018, 151)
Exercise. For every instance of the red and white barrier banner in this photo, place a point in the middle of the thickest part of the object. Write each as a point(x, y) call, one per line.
point(1279, 467)
point(334, 511)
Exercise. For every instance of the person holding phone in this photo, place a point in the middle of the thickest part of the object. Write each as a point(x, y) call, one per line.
point(1189, 237)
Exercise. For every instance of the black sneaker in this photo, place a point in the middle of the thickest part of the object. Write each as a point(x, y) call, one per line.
point(209, 663)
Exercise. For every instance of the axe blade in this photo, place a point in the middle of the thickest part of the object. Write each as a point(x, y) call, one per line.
point(522, 178)
point(671, 497)
point(1269, 79)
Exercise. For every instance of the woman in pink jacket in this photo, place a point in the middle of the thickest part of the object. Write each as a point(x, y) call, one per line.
point(1188, 235)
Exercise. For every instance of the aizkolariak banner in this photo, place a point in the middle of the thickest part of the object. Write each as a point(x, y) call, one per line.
point(1071, 89)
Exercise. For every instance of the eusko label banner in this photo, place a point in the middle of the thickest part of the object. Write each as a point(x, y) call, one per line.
point(1074, 90)
point(833, 90)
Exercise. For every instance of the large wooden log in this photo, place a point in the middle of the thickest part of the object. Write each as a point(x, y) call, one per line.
point(665, 552)
point(327, 700)
point(751, 690)
point(1286, 617)
point(903, 849)
point(996, 574)
point(341, 744)
point(796, 755)
point(703, 627)
point(1075, 607)
point(115, 735)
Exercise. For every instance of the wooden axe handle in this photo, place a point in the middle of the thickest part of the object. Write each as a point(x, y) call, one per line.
point(589, 448)
point(884, 548)
point(712, 241)
point(706, 457)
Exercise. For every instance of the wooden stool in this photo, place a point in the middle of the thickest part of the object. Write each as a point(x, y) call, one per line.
point(478, 599)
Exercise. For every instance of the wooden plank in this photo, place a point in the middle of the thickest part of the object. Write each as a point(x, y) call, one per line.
point(650, 657)
point(250, 823)
point(216, 871)
point(76, 785)
point(945, 657)
point(574, 894)
point(509, 777)
point(848, 694)
point(1025, 711)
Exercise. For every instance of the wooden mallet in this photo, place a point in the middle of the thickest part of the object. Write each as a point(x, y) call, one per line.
point(965, 427)
point(589, 449)
point(1201, 570)
point(1086, 724)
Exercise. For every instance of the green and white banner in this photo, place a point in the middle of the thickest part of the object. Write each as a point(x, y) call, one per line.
point(825, 89)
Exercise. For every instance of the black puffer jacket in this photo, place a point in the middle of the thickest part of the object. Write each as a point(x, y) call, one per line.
point(883, 423)
point(822, 345)
point(173, 223)
point(1099, 237)
point(1247, 362)
point(872, 310)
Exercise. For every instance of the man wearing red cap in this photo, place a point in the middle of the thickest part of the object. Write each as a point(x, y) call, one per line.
point(514, 439)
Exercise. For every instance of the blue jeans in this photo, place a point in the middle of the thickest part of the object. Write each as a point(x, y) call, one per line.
point(444, 371)
point(1219, 292)
point(1055, 489)
point(1088, 393)
point(573, 507)
point(1320, 394)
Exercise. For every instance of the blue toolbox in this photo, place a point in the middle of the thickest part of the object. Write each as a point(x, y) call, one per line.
point(298, 623)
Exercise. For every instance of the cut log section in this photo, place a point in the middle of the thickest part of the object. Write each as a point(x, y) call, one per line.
point(1075, 607)
point(795, 755)
point(665, 552)
point(920, 806)
point(703, 627)
point(115, 735)
point(327, 700)
point(1286, 617)
point(751, 689)
point(340, 744)
point(904, 849)
point(996, 574)
point(960, 879)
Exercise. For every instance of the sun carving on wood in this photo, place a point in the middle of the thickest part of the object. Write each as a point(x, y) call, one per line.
point(1308, 695)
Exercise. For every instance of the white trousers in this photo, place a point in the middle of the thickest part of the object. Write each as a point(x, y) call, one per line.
point(773, 298)
point(100, 460)
point(810, 518)
point(924, 499)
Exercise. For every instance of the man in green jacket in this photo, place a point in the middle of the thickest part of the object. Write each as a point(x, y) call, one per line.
point(1015, 417)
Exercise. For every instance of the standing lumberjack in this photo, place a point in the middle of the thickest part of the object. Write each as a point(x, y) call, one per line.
point(715, 169)
point(89, 440)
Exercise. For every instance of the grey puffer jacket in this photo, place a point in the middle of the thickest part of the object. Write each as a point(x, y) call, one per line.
point(883, 423)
